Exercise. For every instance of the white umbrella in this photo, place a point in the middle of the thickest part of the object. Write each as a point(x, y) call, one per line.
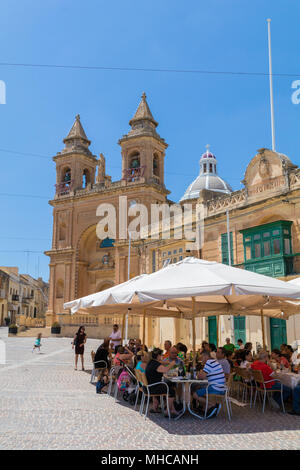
point(191, 277)
point(208, 284)
point(295, 281)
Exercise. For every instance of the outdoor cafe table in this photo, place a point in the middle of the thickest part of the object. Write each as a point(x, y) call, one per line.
point(185, 392)
point(290, 379)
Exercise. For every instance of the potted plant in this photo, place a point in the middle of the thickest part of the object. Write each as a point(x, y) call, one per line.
point(13, 329)
point(7, 321)
point(55, 328)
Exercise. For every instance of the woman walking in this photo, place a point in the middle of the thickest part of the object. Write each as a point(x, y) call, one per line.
point(79, 342)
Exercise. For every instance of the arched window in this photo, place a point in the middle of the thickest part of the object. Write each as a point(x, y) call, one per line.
point(134, 161)
point(204, 168)
point(210, 168)
point(155, 165)
point(60, 289)
point(86, 178)
point(66, 176)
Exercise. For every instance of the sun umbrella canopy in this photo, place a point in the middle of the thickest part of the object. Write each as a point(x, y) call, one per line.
point(295, 282)
point(211, 283)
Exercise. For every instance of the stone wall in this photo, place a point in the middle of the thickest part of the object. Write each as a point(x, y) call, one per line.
point(96, 332)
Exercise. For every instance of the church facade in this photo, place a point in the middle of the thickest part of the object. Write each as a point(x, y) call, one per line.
point(264, 220)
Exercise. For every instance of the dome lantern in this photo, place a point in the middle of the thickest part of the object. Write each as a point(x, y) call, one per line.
point(208, 178)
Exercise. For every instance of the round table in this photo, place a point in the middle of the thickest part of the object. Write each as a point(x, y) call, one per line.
point(186, 393)
point(290, 379)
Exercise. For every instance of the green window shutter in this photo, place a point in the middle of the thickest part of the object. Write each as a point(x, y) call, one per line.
point(224, 244)
point(212, 329)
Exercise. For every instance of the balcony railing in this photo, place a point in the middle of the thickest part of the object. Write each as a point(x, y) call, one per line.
point(64, 188)
point(133, 174)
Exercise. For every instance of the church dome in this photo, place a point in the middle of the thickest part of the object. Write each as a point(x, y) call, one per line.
point(208, 178)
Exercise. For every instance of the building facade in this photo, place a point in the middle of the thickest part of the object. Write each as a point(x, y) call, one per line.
point(4, 289)
point(264, 227)
point(25, 297)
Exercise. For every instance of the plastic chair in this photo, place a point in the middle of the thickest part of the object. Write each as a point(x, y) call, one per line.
point(223, 397)
point(262, 389)
point(247, 378)
point(96, 370)
point(145, 388)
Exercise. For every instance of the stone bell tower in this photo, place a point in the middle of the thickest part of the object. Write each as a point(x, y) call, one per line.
point(75, 164)
point(143, 150)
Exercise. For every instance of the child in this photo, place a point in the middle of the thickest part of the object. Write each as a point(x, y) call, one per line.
point(102, 380)
point(37, 343)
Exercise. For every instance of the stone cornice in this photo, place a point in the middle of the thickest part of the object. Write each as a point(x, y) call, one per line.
point(60, 251)
point(114, 188)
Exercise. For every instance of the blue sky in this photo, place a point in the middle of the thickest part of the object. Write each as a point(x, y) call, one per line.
point(230, 112)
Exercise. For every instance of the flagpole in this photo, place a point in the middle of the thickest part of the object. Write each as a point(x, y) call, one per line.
point(229, 263)
point(128, 277)
point(271, 85)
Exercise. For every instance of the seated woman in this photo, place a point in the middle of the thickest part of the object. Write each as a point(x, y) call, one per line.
point(280, 360)
point(124, 354)
point(102, 354)
point(246, 359)
point(229, 355)
point(143, 359)
point(154, 374)
point(182, 350)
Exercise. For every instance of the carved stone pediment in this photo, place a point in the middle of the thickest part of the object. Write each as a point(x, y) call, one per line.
point(267, 172)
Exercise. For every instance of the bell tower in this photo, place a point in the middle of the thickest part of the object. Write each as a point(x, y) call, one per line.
point(75, 164)
point(143, 150)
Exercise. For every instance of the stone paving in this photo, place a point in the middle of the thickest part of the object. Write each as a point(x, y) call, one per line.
point(45, 404)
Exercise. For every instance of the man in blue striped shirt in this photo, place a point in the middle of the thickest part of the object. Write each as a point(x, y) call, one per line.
point(214, 374)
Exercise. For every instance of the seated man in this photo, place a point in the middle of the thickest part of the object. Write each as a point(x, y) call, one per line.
point(131, 346)
point(139, 346)
point(213, 372)
point(221, 358)
point(268, 373)
point(173, 357)
point(167, 347)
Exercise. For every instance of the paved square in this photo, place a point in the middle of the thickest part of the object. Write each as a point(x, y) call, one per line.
point(45, 404)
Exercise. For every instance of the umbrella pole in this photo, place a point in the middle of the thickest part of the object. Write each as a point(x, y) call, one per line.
point(194, 331)
point(218, 317)
point(144, 328)
point(263, 328)
point(123, 326)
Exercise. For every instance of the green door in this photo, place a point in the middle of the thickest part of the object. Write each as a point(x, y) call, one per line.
point(239, 329)
point(212, 330)
point(278, 332)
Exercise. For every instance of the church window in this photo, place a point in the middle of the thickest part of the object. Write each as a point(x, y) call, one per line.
point(155, 165)
point(86, 178)
point(67, 176)
point(135, 160)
